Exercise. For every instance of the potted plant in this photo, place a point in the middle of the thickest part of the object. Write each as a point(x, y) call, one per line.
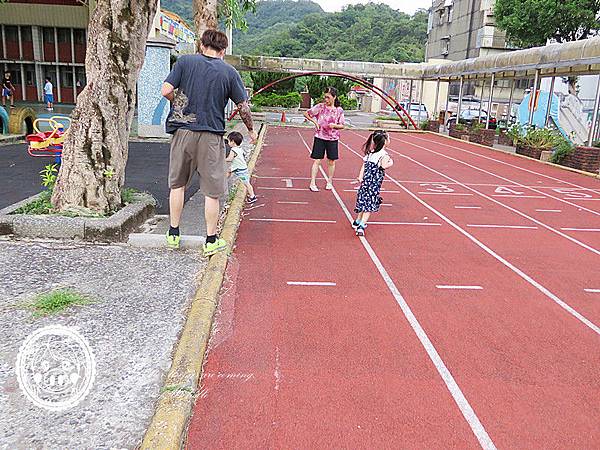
point(459, 131)
point(434, 124)
point(581, 157)
point(542, 143)
point(475, 134)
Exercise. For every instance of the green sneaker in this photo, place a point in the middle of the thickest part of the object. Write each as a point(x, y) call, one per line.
point(173, 241)
point(215, 247)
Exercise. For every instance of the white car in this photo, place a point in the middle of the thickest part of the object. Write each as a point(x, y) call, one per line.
point(418, 111)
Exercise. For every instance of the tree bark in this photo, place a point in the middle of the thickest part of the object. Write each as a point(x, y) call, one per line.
point(205, 15)
point(96, 148)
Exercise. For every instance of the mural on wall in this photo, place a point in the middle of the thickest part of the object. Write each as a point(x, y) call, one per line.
point(174, 29)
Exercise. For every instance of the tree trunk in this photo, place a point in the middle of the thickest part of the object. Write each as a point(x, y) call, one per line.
point(95, 151)
point(205, 15)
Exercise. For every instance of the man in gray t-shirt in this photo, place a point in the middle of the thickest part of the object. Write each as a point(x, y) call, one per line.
point(199, 87)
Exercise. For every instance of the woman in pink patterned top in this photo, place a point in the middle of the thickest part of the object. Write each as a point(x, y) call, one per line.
point(328, 118)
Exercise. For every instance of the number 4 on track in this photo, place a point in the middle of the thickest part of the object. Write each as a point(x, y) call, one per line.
point(505, 190)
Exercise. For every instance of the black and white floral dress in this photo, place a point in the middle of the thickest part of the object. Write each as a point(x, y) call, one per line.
point(368, 198)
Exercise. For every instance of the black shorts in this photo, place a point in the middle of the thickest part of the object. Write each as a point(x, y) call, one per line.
point(322, 146)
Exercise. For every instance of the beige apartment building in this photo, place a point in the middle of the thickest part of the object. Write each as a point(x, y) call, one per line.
point(462, 29)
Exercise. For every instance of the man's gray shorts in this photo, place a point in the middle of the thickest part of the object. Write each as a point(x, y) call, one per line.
point(199, 151)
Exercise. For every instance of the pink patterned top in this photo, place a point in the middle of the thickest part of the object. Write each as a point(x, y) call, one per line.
point(325, 118)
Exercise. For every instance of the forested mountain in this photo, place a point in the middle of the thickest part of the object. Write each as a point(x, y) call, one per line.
point(373, 32)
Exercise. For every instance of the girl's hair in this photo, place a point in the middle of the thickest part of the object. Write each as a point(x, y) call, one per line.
point(375, 142)
point(334, 93)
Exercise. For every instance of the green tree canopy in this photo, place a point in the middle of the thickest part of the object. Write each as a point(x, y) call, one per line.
point(530, 23)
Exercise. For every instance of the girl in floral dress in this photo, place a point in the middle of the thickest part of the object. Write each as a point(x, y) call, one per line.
point(371, 176)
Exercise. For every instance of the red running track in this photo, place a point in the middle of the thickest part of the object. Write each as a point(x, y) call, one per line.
point(468, 317)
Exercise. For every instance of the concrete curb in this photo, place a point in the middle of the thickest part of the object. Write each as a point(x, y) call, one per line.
point(6, 139)
point(169, 424)
point(558, 166)
point(147, 240)
point(110, 229)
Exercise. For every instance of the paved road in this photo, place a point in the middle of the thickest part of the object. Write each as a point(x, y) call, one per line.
point(147, 170)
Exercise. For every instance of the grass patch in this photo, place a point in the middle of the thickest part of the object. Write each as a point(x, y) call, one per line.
point(41, 205)
point(232, 193)
point(57, 301)
point(128, 195)
point(395, 118)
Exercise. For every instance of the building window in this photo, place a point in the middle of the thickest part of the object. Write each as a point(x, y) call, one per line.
point(446, 45)
point(441, 14)
point(524, 83)
point(80, 77)
point(30, 75)
point(50, 72)
point(11, 33)
point(66, 76)
point(79, 36)
point(26, 34)
point(48, 34)
point(64, 35)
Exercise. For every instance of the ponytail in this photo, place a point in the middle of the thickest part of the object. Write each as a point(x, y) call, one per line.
point(375, 142)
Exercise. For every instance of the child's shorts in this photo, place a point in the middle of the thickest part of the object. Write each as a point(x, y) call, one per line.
point(6, 93)
point(243, 175)
point(49, 98)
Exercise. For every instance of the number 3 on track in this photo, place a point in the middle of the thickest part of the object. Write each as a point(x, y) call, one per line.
point(572, 193)
point(435, 187)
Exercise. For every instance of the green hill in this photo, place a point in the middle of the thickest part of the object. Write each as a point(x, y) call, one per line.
point(372, 32)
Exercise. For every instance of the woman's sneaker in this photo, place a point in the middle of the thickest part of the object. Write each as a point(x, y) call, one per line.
point(360, 230)
point(214, 247)
point(355, 224)
point(251, 200)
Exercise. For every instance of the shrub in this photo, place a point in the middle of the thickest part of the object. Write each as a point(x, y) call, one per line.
point(348, 103)
point(424, 125)
point(290, 100)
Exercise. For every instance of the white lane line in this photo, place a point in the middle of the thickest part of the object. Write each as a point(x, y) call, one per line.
point(518, 196)
point(597, 213)
point(293, 203)
point(463, 404)
point(510, 208)
point(288, 182)
point(293, 220)
point(549, 210)
point(584, 200)
point(491, 252)
point(310, 283)
point(468, 288)
point(581, 229)
point(254, 207)
point(425, 224)
point(468, 207)
point(423, 182)
point(509, 164)
point(516, 227)
point(444, 193)
point(386, 204)
point(592, 291)
point(279, 188)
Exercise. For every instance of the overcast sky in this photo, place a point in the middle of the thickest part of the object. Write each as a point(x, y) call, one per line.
point(407, 6)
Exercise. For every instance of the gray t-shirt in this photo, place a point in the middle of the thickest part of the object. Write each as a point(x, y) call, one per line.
point(204, 85)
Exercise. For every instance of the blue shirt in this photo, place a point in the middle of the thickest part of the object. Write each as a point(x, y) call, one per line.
point(204, 86)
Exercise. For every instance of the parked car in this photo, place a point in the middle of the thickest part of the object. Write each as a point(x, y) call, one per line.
point(418, 111)
point(470, 116)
